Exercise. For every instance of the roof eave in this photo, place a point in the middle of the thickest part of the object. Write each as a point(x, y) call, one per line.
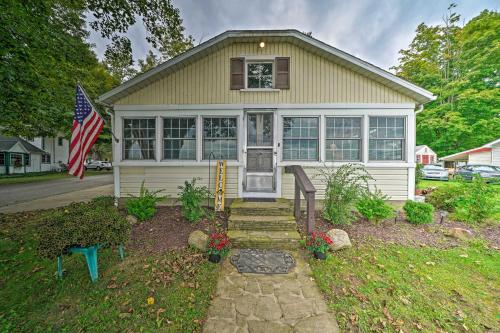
point(421, 95)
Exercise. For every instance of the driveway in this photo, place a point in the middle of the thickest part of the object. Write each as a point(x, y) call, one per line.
point(53, 193)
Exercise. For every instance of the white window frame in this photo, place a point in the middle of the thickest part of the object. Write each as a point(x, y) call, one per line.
point(156, 157)
point(272, 61)
point(404, 149)
point(282, 138)
point(361, 138)
point(162, 138)
point(202, 138)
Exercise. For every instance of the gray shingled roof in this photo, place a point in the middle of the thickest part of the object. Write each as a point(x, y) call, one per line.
point(7, 142)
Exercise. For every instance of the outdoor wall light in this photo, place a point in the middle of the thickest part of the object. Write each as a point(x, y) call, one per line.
point(262, 45)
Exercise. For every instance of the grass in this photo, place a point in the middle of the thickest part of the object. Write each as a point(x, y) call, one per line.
point(32, 299)
point(41, 176)
point(393, 288)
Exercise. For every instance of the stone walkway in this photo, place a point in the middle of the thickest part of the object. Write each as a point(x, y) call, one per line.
point(252, 303)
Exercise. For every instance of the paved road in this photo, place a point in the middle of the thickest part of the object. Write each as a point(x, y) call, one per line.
point(21, 193)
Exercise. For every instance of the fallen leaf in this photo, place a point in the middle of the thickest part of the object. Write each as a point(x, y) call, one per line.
point(430, 263)
point(465, 255)
point(387, 314)
point(150, 301)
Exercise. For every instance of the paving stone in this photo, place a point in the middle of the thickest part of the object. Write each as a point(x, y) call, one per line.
point(322, 323)
point(221, 308)
point(298, 310)
point(252, 287)
point(245, 304)
point(266, 287)
point(288, 298)
point(267, 308)
point(310, 291)
point(219, 326)
point(255, 326)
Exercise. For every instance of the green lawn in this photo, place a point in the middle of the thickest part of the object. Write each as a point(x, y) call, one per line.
point(42, 176)
point(392, 288)
point(33, 300)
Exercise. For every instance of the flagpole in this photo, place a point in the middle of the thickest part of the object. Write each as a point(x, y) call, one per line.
point(97, 111)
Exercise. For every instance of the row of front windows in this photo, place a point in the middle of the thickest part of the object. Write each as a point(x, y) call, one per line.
point(343, 138)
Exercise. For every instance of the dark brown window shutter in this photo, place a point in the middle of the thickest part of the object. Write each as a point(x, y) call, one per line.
point(237, 73)
point(283, 73)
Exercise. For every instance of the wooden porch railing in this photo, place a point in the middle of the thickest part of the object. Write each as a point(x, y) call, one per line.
point(303, 184)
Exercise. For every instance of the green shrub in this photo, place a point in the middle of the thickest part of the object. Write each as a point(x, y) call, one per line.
point(144, 206)
point(373, 206)
point(344, 186)
point(418, 212)
point(192, 198)
point(81, 224)
point(445, 197)
point(419, 174)
point(476, 203)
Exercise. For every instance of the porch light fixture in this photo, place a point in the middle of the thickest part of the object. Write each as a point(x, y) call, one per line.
point(262, 45)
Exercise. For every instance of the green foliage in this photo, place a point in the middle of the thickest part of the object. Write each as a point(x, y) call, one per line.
point(419, 174)
point(82, 224)
point(344, 186)
point(144, 206)
point(373, 206)
point(476, 202)
point(460, 66)
point(445, 197)
point(192, 198)
point(418, 212)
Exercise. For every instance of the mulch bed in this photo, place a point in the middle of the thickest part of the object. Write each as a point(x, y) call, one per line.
point(168, 230)
point(399, 231)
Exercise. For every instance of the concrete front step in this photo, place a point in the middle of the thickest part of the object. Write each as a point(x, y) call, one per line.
point(280, 207)
point(287, 240)
point(257, 222)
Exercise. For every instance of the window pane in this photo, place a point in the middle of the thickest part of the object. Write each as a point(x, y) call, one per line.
point(220, 138)
point(343, 139)
point(179, 138)
point(139, 139)
point(300, 138)
point(260, 75)
point(387, 138)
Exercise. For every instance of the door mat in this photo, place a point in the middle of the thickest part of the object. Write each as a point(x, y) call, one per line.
point(263, 261)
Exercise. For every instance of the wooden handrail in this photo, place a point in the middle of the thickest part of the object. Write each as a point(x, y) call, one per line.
point(303, 184)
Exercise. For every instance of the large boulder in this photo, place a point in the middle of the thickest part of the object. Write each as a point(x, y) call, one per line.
point(131, 219)
point(199, 240)
point(340, 239)
point(459, 233)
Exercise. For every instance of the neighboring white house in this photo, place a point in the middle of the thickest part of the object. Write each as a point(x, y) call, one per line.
point(18, 155)
point(263, 100)
point(425, 155)
point(486, 154)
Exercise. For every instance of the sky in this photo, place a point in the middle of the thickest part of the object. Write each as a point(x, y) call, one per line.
point(371, 30)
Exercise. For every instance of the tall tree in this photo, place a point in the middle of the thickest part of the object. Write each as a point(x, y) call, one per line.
point(44, 52)
point(461, 67)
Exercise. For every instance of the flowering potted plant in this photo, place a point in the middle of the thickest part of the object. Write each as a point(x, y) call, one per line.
point(318, 243)
point(218, 246)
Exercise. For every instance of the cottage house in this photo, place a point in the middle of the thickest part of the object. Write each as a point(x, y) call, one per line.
point(263, 100)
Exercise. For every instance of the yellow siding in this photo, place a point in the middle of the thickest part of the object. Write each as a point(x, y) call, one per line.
point(313, 79)
point(392, 182)
point(170, 178)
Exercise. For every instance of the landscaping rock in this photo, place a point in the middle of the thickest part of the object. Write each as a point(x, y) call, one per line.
point(131, 219)
point(459, 233)
point(199, 240)
point(340, 239)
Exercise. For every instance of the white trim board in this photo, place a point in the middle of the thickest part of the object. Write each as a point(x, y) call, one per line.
point(168, 107)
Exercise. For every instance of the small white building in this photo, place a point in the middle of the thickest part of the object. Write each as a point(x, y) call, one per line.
point(486, 154)
point(425, 155)
point(18, 155)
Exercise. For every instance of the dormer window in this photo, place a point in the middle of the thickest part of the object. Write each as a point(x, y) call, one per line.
point(259, 75)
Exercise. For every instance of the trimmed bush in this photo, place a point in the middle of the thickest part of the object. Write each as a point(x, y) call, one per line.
point(445, 197)
point(192, 198)
point(144, 206)
point(81, 224)
point(373, 206)
point(343, 188)
point(418, 212)
point(476, 202)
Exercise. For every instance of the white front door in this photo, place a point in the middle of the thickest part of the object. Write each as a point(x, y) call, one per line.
point(260, 153)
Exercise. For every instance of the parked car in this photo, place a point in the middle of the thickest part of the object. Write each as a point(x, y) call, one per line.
point(61, 167)
point(97, 165)
point(432, 171)
point(490, 173)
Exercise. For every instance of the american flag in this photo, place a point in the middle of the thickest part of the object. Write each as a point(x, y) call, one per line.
point(87, 125)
